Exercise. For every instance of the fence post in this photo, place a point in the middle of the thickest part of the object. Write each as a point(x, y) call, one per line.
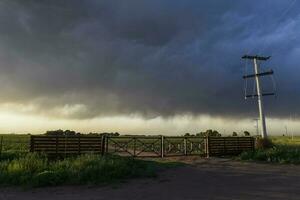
point(224, 147)
point(207, 146)
point(162, 146)
point(106, 143)
point(103, 145)
point(1, 143)
point(134, 147)
point(185, 146)
point(56, 145)
point(31, 143)
point(238, 144)
point(65, 153)
point(79, 145)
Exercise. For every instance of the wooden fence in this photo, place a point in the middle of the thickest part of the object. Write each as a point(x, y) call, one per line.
point(141, 146)
point(219, 146)
point(66, 145)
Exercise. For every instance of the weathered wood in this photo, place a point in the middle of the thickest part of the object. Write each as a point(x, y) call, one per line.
point(61, 145)
point(222, 146)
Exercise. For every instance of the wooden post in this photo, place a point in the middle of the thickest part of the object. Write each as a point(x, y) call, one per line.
point(253, 143)
point(134, 147)
point(238, 144)
point(162, 146)
point(224, 146)
point(207, 146)
point(79, 145)
point(102, 145)
point(56, 145)
point(1, 143)
point(31, 143)
point(65, 153)
point(106, 143)
point(185, 146)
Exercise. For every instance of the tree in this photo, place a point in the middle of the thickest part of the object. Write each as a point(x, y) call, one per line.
point(246, 133)
point(61, 133)
point(210, 133)
point(234, 134)
point(187, 134)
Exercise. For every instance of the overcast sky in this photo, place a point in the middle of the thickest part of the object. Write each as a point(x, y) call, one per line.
point(74, 60)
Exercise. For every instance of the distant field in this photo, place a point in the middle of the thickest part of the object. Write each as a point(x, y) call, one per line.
point(15, 142)
point(286, 140)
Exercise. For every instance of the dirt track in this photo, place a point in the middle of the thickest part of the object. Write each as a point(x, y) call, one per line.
point(203, 179)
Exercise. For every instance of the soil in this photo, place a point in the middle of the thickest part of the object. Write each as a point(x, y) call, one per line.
point(199, 179)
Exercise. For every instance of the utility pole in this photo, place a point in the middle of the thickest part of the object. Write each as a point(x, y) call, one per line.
point(257, 74)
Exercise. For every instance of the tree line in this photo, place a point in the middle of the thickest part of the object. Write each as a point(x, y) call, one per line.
point(209, 132)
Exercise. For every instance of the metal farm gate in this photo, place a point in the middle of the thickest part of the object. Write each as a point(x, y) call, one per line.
point(141, 146)
point(155, 146)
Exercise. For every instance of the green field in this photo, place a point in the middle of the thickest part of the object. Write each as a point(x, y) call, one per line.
point(15, 142)
point(286, 140)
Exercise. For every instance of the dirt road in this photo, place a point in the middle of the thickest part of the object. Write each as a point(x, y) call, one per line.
point(203, 179)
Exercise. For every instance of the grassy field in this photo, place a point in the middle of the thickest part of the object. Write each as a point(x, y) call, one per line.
point(286, 140)
point(286, 150)
point(15, 142)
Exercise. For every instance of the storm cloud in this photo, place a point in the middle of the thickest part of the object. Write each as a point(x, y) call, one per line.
point(92, 58)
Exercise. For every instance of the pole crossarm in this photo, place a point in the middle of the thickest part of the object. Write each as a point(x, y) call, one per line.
point(259, 74)
point(263, 94)
point(256, 57)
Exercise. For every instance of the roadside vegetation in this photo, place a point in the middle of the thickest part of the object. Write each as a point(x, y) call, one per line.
point(284, 150)
point(18, 167)
point(34, 170)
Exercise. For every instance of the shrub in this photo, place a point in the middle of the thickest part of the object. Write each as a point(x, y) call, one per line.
point(263, 143)
point(288, 154)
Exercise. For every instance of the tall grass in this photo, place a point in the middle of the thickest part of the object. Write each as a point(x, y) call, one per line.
point(37, 170)
point(285, 151)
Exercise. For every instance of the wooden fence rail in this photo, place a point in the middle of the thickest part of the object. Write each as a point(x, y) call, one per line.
point(141, 146)
point(66, 145)
point(219, 146)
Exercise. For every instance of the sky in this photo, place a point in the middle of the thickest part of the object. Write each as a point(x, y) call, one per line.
point(146, 67)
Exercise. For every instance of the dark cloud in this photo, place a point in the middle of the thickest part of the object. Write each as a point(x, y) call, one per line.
point(147, 57)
